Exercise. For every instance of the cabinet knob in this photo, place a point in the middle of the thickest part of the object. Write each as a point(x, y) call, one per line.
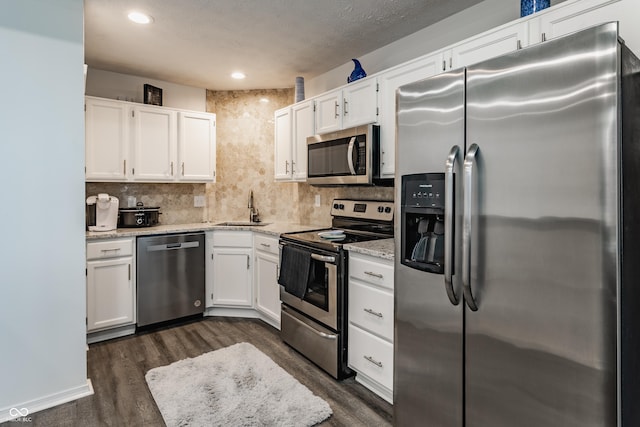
point(375, 313)
point(371, 273)
point(374, 361)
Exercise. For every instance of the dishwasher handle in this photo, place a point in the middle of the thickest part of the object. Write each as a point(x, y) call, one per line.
point(172, 246)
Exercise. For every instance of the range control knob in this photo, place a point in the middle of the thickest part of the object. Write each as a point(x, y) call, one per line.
point(341, 206)
point(335, 206)
point(380, 209)
point(387, 210)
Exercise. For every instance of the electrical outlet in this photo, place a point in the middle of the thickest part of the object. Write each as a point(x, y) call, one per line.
point(198, 201)
point(317, 204)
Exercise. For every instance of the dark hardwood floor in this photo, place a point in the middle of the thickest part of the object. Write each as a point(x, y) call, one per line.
point(117, 368)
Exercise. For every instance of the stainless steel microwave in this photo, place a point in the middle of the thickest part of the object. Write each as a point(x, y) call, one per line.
point(346, 157)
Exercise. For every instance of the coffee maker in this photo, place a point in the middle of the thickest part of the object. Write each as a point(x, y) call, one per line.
point(102, 212)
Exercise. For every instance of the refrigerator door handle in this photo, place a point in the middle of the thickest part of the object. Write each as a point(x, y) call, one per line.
point(448, 223)
point(469, 163)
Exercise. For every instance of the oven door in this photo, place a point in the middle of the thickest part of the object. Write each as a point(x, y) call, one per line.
point(320, 301)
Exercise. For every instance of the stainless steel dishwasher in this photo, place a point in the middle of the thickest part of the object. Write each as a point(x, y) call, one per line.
point(170, 277)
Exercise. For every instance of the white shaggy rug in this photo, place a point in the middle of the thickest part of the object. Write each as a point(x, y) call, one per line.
point(234, 386)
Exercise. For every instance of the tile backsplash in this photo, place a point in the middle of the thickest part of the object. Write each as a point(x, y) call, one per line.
point(245, 150)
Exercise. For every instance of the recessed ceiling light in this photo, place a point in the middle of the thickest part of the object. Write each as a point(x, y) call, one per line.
point(264, 100)
point(140, 18)
point(238, 75)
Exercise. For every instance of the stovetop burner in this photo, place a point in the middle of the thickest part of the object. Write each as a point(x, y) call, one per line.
point(360, 221)
point(313, 238)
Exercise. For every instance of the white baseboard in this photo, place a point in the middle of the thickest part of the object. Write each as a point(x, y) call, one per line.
point(108, 334)
point(45, 402)
point(231, 312)
point(375, 387)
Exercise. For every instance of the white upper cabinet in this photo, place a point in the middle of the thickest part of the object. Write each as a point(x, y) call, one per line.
point(127, 141)
point(390, 81)
point(353, 105)
point(293, 125)
point(154, 141)
point(107, 136)
point(197, 146)
point(500, 41)
point(360, 103)
point(574, 16)
point(302, 127)
point(283, 147)
point(329, 112)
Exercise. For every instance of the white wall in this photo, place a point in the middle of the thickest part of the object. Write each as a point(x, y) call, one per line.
point(127, 87)
point(42, 267)
point(469, 22)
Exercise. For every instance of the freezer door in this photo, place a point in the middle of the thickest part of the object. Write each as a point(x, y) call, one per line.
point(541, 348)
point(428, 327)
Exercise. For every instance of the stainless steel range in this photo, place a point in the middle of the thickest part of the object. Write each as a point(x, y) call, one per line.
point(313, 280)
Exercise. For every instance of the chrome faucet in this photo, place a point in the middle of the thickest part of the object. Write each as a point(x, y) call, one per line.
point(254, 214)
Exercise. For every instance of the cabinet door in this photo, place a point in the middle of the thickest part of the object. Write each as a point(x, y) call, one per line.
point(491, 44)
point(582, 14)
point(110, 293)
point(267, 288)
point(282, 154)
point(106, 140)
point(232, 277)
point(389, 82)
point(328, 112)
point(208, 271)
point(302, 127)
point(154, 141)
point(197, 146)
point(360, 103)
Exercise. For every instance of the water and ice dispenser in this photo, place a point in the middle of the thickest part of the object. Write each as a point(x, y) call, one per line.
point(422, 216)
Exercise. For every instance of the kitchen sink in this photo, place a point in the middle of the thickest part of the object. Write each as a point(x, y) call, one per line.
point(242, 223)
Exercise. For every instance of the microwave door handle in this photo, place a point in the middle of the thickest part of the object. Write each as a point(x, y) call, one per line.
point(352, 142)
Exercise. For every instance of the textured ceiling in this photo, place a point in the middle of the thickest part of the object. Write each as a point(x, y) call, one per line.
point(201, 42)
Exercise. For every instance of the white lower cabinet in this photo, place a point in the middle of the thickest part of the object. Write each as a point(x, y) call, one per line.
point(110, 284)
point(229, 270)
point(371, 322)
point(267, 290)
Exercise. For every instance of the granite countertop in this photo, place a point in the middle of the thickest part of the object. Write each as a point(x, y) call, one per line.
point(271, 228)
point(383, 248)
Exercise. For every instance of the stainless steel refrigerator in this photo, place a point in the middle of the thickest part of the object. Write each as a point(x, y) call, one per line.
point(517, 272)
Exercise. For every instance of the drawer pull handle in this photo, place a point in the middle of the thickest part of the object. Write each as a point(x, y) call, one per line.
point(374, 361)
point(109, 250)
point(371, 273)
point(266, 245)
point(375, 313)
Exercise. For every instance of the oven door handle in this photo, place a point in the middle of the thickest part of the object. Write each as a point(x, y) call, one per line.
point(312, 329)
point(324, 258)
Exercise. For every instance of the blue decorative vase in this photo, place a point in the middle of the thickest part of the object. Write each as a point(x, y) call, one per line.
point(357, 72)
point(527, 7)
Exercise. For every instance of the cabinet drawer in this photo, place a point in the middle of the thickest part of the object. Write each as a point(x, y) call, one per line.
point(265, 243)
point(233, 239)
point(371, 308)
point(371, 270)
point(371, 356)
point(109, 249)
